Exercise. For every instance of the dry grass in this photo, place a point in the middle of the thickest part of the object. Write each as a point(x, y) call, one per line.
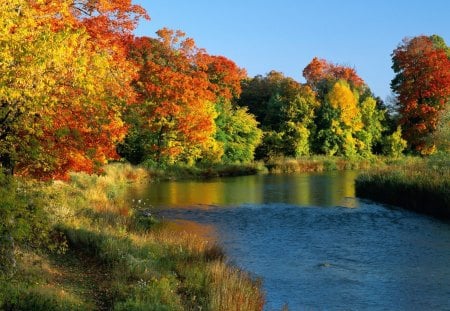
point(414, 183)
point(322, 164)
point(133, 260)
point(233, 290)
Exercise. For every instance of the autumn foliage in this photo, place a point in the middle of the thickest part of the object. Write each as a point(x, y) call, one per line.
point(78, 89)
point(422, 85)
point(178, 88)
point(319, 70)
point(64, 82)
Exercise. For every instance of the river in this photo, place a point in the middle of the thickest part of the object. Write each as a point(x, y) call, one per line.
point(314, 245)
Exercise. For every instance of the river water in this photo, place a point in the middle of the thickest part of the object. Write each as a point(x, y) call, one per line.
point(314, 245)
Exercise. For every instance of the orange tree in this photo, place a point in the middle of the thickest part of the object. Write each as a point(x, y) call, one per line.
point(183, 99)
point(175, 112)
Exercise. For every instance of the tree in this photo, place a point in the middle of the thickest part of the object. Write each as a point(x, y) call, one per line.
point(285, 110)
point(422, 85)
point(60, 96)
point(394, 144)
point(238, 132)
point(223, 74)
point(177, 88)
point(372, 120)
point(320, 71)
point(338, 120)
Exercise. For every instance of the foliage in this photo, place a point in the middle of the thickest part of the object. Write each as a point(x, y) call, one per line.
point(55, 75)
point(372, 119)
point(23, 221)
point(178, 104)
point(335, 113)
point(285, 110)
point(319, 71)
point(422, 85)
point(394, 144)
point(238, 133)
point(440, 138)
point(179, 88)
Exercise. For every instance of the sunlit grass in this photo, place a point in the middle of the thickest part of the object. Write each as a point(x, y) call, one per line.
point(422, 185)
point(134, 260)
point(322, 164)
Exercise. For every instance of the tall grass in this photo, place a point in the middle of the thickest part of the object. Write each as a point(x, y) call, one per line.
point(180, 171)
point(135, 261)
point(322, 164)
point(422, 185)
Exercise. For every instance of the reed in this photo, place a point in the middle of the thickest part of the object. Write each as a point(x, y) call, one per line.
point(419, 185)
point(322, 163)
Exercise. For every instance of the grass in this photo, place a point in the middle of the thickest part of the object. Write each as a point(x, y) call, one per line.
point(422, 185)
point(118, 257)
point(207, 171)
point(322, 164)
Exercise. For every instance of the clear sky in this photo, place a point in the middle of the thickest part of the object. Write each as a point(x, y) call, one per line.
point(284, 35)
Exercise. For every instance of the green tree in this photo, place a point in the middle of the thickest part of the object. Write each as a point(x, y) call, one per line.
point(394, 144)
point(372, 119)
point(285, 109)
point(237, 132)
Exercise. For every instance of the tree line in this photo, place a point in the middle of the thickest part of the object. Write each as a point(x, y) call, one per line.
point(78, 89)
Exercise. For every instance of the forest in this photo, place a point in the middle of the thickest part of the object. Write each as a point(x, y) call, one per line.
point(79, 90)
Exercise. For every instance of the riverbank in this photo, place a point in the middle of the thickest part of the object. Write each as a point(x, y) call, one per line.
point(279, 165)
point(103, 253)
point(419, 185)
point(207, 171)
point(323, 164)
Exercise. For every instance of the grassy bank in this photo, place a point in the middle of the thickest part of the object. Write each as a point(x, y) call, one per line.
point(416, 184)
point(205, 172)
point(106, 255)
point(323, 164)
point(280, 165)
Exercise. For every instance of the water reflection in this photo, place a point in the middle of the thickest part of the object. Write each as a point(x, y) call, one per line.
point(292, 231)
point(304, 189)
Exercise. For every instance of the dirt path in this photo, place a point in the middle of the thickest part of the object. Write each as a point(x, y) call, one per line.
point(84, 277)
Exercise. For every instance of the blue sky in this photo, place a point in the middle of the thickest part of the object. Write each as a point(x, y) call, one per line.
point(284, 35)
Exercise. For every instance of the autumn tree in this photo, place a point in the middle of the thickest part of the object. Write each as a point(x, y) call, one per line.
point(338, 119)
point(177, 87)
point(349, 120)
point(61, 93)
point(319, 73)
point(422, 85)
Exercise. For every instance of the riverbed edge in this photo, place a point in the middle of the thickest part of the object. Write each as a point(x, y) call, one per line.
point(105, 255)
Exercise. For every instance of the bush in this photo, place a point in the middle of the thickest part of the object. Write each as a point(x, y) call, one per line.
point(23, 221)
point(394, 144)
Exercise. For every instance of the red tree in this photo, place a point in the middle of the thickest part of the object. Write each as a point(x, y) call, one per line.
point(422, 84)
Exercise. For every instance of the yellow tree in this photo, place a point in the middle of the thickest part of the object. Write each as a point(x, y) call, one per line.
point(340, 119)
point(60, 95)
